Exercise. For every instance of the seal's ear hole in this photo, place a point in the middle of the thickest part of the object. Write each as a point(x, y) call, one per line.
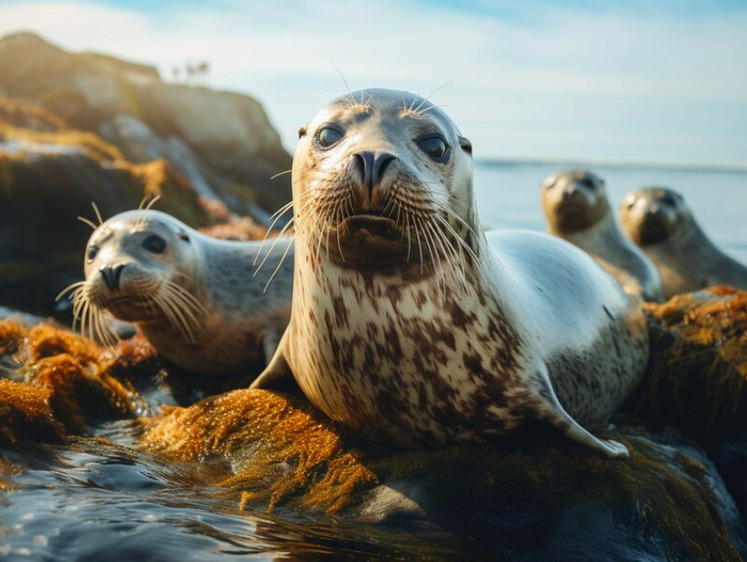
point(302, 131)
point(466, 145)
point(184, 236)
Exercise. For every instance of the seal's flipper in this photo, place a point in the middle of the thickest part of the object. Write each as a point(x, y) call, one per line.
point(277, 375)
point(550, 409)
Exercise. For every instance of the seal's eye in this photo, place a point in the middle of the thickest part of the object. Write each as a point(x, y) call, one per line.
point(327, 137)
point(155, 244)
point(588, 183)
point(435, 147)
point(93, 251)
point(668, 200)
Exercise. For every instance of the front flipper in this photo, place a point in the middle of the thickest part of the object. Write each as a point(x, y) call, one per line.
point(277, 375)
point(549, 408)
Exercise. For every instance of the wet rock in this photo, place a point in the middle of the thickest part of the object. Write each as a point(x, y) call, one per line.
point(230, 133)
point(53, 383)
point(18, 317)
point(47, 178)
point(537, 497)
point(548, 499)
point(695, 381)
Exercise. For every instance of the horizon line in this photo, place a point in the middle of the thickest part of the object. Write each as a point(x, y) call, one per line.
point(719, 167)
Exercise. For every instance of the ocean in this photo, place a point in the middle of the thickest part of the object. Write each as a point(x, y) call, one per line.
point(508, 195)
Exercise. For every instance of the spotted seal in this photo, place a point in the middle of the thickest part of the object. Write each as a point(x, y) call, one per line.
point(412, 325)
point(577, 210)
point(194, 297)
point(659, 221)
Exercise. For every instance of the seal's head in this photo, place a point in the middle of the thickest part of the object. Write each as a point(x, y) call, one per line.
point(139, 265)
point(653, 215)
point(573, 201)
point(380, 175)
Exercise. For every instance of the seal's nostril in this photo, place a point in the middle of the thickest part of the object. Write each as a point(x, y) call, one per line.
point(371, 166)
point(382, 161)
point(111, 275)
point(359, 164)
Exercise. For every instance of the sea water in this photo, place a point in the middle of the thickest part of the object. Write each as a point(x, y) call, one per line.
point(508, 195)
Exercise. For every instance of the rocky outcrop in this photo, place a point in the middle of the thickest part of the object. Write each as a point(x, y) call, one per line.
point(51, 173)
point(47, 179)
point(697, 377)
point(233, 144)
point(55, 383)
point(546, 498)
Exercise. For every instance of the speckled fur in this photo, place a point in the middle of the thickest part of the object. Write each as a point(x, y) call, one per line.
point(241, 320)
point(431, 354)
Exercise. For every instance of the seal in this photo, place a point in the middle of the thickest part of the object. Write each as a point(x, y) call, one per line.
point(659, 221)
point(577, 210)
point(413, 326)
point(194, 297)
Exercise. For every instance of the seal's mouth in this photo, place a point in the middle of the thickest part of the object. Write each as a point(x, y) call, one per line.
point(374, 223)
point(654, 228)
point(573, 217)
point(130, 308)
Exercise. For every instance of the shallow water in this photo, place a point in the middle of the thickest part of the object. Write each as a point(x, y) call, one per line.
point(93, 501)
point(508, 194)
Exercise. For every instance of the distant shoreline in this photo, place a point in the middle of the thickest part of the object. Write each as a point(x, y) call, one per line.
point(573, 163)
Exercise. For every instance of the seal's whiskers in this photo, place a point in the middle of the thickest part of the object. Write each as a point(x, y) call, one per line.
point(280, 263)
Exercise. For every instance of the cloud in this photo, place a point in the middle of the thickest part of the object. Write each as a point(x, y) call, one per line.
point(534, 80)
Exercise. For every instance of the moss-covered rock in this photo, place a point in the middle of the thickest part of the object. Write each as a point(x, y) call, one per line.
point(539, 496)
point(229, 133)
point(548, 498)
point(47, 178)
point(50, 174)
point(55, 383)
point(697, 376)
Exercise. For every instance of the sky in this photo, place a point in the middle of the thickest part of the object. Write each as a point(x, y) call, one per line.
point(591, 81)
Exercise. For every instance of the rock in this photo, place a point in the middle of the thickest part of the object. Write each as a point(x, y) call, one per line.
point(695, 380)
point(18, 317)
point(230, 133)
point(17, 114)
point(54, 383)
point(241, 229)
point(547, 500)
point(47, 178)
point(536, 497)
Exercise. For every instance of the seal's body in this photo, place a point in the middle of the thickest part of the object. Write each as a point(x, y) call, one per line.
point(410, 324)
point(195, 298)
point(658, 220)
point(577, 210)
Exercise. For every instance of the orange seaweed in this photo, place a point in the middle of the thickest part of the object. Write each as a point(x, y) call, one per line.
point(295, 451)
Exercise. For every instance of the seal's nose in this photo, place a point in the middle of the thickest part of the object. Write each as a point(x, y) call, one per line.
point(571, 193)
point(111, 275)
point(654, 211)
point(371, 166)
